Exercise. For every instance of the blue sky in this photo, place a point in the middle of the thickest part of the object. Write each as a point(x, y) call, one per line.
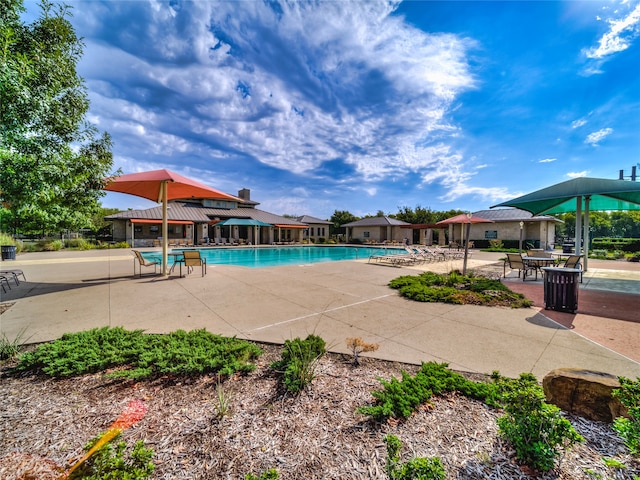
point(365, 106)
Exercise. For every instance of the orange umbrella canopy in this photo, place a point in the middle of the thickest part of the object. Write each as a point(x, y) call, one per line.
point(149, 185)
point(464, 218)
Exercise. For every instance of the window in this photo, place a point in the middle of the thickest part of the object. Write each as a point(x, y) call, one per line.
point(490, 234)
point(366, 234)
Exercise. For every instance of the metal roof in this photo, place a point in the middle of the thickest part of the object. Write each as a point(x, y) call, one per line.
point(377, 222)
point(310, 219)
point(200, 214)
point(514, 215)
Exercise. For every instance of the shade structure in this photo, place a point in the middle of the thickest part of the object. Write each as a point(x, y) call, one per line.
point(468, 219)
point(579, 195)
point(602, 194)
point(161, 186)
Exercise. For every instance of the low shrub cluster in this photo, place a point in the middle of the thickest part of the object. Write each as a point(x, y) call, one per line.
point(629, 428)
point(400, 398)
point(458, 289)
point(536, 430)
point(114, 461)
point(416, 468)
point(133, 354)
point(629, 245)
point(299, 360)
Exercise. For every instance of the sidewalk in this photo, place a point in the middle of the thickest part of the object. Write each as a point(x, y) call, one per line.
point(72, 291)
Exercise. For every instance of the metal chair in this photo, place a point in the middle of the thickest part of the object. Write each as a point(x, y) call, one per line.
point(516, 262)
point(143, 262)
point(192, 258)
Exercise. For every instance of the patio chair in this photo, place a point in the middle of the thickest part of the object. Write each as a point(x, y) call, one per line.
point(143, 262)
point(14, 273)
point(192, 258)
point(4, 280)
point(515, 262)
point(574, 262)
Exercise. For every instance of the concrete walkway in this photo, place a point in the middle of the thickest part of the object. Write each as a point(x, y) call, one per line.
point(72, 291)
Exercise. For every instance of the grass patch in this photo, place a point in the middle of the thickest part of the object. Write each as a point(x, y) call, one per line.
point(135, 355)
point(458, 289)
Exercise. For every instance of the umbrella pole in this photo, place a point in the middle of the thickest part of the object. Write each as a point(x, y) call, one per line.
point(466, 249)
point(165, 230)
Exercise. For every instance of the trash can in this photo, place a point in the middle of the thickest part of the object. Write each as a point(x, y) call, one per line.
point(561, 288)
point(568, 247)
point(8, 252)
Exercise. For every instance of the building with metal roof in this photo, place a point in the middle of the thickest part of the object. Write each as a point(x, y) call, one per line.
point(205, 221)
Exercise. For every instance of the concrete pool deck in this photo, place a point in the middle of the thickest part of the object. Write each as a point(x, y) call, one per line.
point(78, 290)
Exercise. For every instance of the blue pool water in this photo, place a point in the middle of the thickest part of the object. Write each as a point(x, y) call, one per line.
point(278, 256)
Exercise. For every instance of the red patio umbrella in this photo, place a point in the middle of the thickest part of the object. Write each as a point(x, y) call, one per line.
point(468, 219)
point(161, 186)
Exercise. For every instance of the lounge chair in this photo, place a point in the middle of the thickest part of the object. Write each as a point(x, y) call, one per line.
point(192, 258)
point(515, 262)
point(574, 262)
point(143, 262)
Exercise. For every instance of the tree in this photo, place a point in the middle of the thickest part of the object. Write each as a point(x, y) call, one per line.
point(52, 162)
point(339, 218)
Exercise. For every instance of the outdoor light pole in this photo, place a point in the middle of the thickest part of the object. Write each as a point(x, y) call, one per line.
point(521, 227)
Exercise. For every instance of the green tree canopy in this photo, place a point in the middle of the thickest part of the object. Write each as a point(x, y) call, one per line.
point(339, 218)
point(52, 162)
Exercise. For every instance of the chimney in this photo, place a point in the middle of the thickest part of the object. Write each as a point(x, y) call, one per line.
point(245, 194)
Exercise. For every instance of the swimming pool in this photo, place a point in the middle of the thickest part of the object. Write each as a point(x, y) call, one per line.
point(278, 256)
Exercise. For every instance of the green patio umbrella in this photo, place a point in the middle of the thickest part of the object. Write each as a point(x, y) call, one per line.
point(580, 195)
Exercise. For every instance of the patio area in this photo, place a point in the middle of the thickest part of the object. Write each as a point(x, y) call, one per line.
point(72, 291)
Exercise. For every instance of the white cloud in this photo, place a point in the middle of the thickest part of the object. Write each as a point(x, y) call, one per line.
point(595, 138)
point(547, 160)
point(584, 173)
point(291, 86)
point(619, 36)
point(578, 123)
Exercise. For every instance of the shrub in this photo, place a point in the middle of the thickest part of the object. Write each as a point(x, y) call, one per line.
point(535, 429)
point(416, 468)
point(271, 474)
point(358, 346)
point(400, 398)
point(457, 289)
point(629, 428)
point(53, 246)
point(110, 462)
point(79, 244)
point(298, 362)
point(9, 349)
point(137, 355)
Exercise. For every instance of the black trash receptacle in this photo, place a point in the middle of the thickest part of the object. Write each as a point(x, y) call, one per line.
point(568, 247)
point(8, 252)
point(561, 288)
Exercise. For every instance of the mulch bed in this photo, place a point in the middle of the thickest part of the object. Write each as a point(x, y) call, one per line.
point(45, 423)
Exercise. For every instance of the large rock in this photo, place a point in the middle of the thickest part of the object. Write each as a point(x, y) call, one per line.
point(584, 392)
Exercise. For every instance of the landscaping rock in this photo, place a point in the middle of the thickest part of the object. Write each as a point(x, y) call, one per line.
point(584, 392)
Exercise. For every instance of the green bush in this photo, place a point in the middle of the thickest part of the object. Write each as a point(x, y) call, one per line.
point(400, 398)
point(271, 474)
point(629, 428)
point(110, 463)
point(457, 289)
point(417, 468)
point(52, 245)
point(298, 362)
point(79, 244)
point(137, 355)
point(535, 429)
